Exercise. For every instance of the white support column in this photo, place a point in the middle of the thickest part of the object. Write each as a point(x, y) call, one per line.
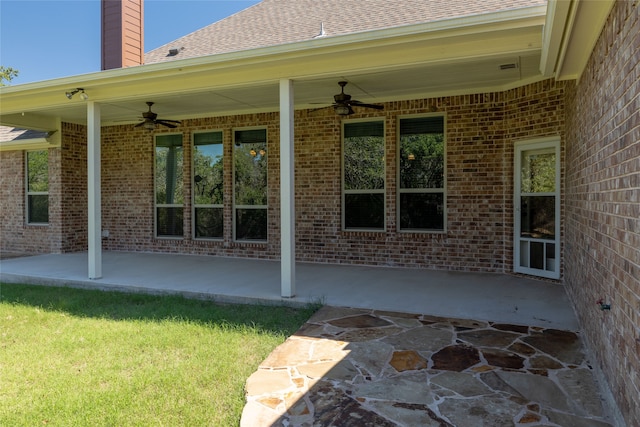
point(94, 191)
point(287, 193)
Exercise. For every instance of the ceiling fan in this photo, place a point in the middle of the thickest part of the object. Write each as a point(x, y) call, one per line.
point(151, 120)
point(343, 103)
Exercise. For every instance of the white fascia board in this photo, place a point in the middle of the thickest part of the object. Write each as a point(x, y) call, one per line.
point(29, 144)
point(52, 140)
point(583, 25)
point(553, 36)
point(476, 24)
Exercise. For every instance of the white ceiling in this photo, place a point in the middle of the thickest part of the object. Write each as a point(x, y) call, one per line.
point(409, 83)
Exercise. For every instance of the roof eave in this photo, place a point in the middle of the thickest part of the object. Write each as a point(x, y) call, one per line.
point(443, 28)
point(283, 60)
point(572, 28)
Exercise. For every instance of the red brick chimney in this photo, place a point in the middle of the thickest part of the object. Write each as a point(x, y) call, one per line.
point(122, 33)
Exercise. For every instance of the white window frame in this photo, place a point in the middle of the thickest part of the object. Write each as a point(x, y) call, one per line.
point(34, 193)
point(442, 191)
point(193, 186)
point(165, 205)
point(382, 191)
point(235, 207)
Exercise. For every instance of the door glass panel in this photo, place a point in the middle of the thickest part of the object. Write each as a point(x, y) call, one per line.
point(537, 217)
point(536, 255)
point(538, 173)
point(537, 198)
point(550, 254)
point(524, 253)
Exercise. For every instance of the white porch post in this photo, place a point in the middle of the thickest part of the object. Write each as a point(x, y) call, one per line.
point(94, 190)
point(287, 194)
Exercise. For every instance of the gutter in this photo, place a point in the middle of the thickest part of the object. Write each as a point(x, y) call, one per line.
point(475, 24)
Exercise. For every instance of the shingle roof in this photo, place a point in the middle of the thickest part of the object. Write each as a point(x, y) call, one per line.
point(8, 134)
point(276, 22)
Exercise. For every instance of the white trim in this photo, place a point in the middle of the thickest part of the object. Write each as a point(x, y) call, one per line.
point(553, 35)
point(547, 143)
point(287, 192)
point(577, 36)
point(467, 25)
point(29, 144)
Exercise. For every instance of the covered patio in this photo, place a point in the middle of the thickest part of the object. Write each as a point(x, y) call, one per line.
point(479, 296)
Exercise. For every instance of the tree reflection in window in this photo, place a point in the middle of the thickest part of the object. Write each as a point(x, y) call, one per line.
point(169, 186)
point(421, 164)
point(208, 186)
point(363, 175)
point(37, 187)
point(250, 184)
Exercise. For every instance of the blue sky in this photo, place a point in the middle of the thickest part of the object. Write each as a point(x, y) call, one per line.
point(48, 39)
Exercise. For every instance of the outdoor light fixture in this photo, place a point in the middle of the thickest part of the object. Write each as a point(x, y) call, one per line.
point(342, 110)
point(83, 95)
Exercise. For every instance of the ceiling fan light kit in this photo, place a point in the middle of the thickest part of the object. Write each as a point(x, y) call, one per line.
point(150, 120)
point(342, 110)
point(343, 103)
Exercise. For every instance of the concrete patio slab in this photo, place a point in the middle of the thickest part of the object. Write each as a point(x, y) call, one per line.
point(480, 296)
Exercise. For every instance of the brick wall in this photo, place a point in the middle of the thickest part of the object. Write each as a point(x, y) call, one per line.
point(529, 114)
point(15, 234)
point(602, 255)
point(73, 195)
point(481, 130)
point(67, 228)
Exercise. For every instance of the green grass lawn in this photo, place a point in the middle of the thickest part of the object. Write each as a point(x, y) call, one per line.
point(73, 357)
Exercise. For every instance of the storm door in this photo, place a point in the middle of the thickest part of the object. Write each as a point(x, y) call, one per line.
point(537, 208)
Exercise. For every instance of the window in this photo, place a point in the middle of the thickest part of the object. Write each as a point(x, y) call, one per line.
point(363, 175)
point(250, 184)
point(421, 190)
point(37, 187)
point(168, 186)
point(208, 188)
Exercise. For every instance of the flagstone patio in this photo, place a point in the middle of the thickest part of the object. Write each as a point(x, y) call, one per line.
point(369, 358)
point(356, 367)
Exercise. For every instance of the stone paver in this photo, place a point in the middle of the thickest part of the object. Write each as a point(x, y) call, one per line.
point(372, 368)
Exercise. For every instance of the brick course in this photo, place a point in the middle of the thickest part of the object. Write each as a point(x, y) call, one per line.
point(602, 255)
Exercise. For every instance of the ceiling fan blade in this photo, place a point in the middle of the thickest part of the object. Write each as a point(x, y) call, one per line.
point(169, 121)
point(362, 104)
point(140, 124)
point(166, 123)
